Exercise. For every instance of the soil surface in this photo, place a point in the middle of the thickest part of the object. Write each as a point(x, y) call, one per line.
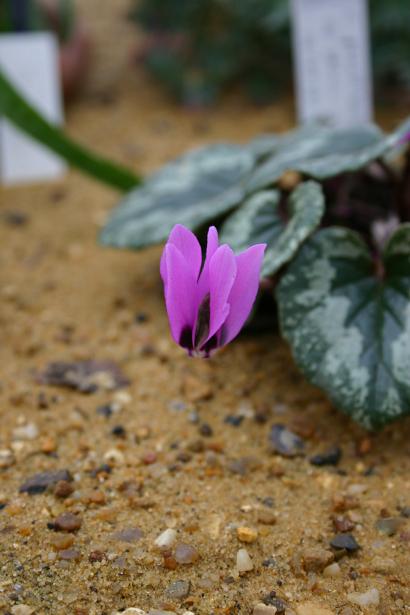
point(181, 444)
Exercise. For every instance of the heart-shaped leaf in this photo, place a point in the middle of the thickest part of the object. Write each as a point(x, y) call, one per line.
point(349, 328)
point(324, 153)
point(260, 221)
point(194, 189)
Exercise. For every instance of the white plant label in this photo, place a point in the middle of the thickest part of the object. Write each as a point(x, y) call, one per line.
point(30, 61)
point(332, 61)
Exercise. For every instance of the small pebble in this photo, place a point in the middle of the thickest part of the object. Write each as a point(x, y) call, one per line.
point(333, 570)
point(330, 457)
point(246, 534)
point(315, 559)
point(67, 522)
point(266, 516)
point(206, 430)
point(69, 555)
point(26, 432)
point(178, 590)
point(40, 482)
point(21, 609)
point(63, 489)
point(59, 543)
point(167, 539)
point(119, 431)
point(131, 534)
point(243, 561)
point(384, 565)
point(284, 442)
point(105, 410)
point(186, 554)
point(371, 597)
point(345, 541)
point(389, 525)
point(264, 609)
point(234, 420)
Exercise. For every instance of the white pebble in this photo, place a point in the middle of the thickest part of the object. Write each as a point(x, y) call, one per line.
point(21, 609)
point(370, 597)
point(26, 432)
point(166, 539)
point(333, 570)
point(114, 456)
point(356, 489)
point(243, 561)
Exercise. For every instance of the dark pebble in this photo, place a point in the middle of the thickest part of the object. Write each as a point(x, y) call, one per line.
point(285, 442)
point(104, 468)
point(118, 431)
point(105, 410)
point(405, 512)
point(345, 541)
point(40, 482)
point(184, 457)
point(206, 430)
point(233, 420)
point(269, 563)
point(96, 556)
point(272, 600)
point(269, 502)
point(330, 457)
point(141, 317)
point(15, 218)
point(82, 376)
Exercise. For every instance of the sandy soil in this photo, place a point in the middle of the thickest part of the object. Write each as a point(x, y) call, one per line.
point(165, 457)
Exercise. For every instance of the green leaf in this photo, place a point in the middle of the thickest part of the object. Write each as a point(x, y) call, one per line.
point(324, 152)
point(18, 111)
point(259, 221)
point(192, 190)
point(348, 328)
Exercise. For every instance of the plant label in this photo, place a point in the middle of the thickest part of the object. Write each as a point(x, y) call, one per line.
point(30, 61)
point(332, 61)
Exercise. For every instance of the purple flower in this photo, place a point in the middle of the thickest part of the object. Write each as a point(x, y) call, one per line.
point(207, 307)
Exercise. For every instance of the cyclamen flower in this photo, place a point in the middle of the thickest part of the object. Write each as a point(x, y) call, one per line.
point(207, 306)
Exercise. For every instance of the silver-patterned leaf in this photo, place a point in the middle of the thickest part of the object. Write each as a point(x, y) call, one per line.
point(260, 221)
point(192, 190)
point(325, 153)
point(349, 328)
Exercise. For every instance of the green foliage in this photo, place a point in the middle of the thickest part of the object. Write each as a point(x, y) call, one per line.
point(260, 220)
point(197, 48)
point(349, 324)
point(338, 242)
point(17, 110)
point(61, 20)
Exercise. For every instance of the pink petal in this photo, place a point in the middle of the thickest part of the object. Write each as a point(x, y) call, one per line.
point(211, 247)
point(222, 272)
point(188, 245)
point(244, 290)
point(180, 291)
